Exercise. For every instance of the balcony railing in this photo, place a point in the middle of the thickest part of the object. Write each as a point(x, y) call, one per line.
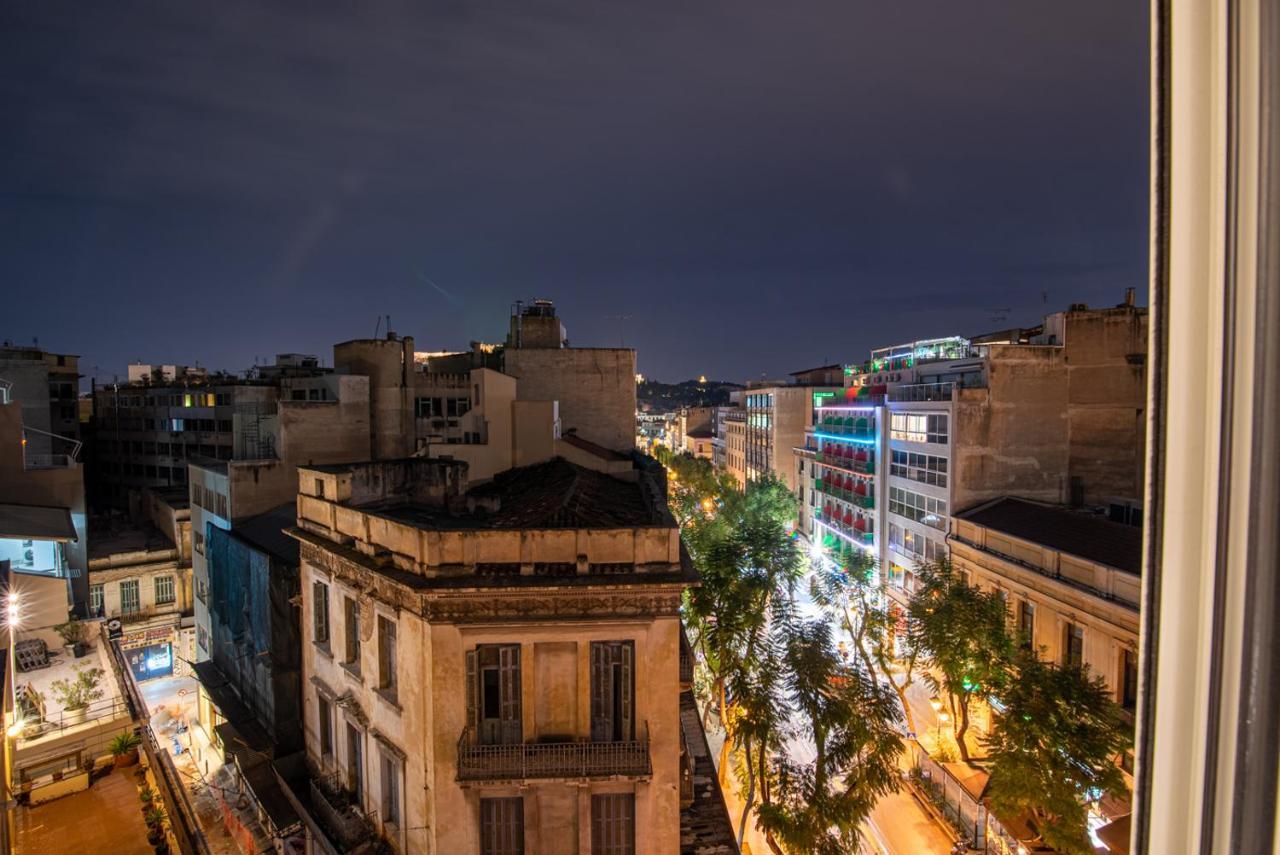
point(524, 761)
point(922, 392)
point(335, 810)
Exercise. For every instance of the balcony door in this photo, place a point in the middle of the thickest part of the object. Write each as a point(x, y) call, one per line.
point(129, 601)
point(493, 694)
point(612, 691)
point(355, 763)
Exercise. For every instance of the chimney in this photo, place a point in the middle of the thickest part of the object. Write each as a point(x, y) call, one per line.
point(1129, 297)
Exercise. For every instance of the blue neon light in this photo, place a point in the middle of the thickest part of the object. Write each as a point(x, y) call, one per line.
point(865, 547)
point(845, 438)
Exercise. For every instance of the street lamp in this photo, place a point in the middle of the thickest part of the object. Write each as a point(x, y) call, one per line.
point(13, 613)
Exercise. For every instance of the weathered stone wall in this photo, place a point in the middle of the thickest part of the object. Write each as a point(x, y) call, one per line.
point(596, 388)
point(1051, 414)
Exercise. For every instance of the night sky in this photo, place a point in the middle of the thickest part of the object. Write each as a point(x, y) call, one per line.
point(734, 187)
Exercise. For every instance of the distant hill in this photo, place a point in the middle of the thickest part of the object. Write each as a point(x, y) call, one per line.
point(657, 397)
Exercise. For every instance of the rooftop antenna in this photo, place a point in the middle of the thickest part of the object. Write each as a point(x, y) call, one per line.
point(377, 326)
point(621, 319)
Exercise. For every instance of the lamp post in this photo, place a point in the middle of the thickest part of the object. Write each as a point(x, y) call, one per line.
point(13, 612)
point(936, 703)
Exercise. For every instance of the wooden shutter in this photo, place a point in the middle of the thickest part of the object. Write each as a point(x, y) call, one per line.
point(472, 706)
point(509, 681)
point(502, 826)
point(613, 827)
point(627, 692)
point(601, 692)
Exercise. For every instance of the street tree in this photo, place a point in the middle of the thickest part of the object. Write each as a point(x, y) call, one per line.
point(845, 584)
point(1056, 748)
point(961, 634)
point(851, 722)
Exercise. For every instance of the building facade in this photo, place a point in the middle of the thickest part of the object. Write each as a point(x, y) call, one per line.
point(1052, 413)
point(491, 669)
point(140, 581)
point(47, 387)
point(777, 419)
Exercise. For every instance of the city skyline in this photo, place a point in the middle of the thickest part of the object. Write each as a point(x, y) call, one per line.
point(859, 176)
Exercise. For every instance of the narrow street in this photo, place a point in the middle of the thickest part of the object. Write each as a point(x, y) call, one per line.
point(898, 824)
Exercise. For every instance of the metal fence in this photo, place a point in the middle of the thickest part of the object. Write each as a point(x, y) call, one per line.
point(967, 815)
point(922, 392)
point(551, 760)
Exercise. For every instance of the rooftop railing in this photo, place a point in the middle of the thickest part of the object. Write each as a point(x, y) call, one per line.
point(525, 760)
point(922, 392)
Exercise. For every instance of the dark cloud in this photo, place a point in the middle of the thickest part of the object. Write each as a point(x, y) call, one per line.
point(736, 187)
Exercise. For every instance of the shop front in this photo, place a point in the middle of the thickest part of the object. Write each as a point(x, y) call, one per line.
point(151, 653)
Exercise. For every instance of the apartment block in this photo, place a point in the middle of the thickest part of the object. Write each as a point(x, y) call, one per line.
point(1052, 413)
point(140, 581)
point(47, 387)
point(492, 668)
point(777, 420)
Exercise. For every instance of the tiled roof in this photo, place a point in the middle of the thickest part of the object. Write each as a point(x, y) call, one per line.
point(592, 448)
point(266, 532)
point(554, 494)
point(1074, 532)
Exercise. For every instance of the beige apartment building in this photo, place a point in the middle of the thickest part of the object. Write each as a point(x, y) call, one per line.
point(492, 669)
point(140, 579)
point(777, 418)
point(735, 444)
point(1071, 580)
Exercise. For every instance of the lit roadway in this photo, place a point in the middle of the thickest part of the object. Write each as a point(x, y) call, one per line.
point(898, 825)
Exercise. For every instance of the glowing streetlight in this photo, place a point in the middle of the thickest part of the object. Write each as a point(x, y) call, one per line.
point(13, 614)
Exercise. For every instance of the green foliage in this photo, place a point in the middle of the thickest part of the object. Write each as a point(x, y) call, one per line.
point(78, 693)
point(1058, 740)
point(123, 743)
point(853, 721)
point(961, 633)
point(155, 817)
point(73, 632)
point(146, 795)
point(774, 679)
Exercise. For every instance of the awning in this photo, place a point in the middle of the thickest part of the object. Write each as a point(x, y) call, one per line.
point(1116, 834)
point(32, 522)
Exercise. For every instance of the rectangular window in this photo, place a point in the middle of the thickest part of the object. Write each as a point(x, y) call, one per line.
point(324, 713)
point(1129, 679)
point(613, 824)
point(351, 632)
point(387, 656)
point(164, 590)
point(924, 468)
point(502, 826)
point(493, 694)
point(1027, 623)
point(320, 618)
point(425, 408)
point(390, 789)
point(1073, 649)
point(919, 427)
point(129, 602)
point(320, 487)
point(95, 601)
point(914, 506)
point(612, 691)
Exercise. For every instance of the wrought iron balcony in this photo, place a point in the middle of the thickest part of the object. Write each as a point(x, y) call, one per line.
point(528, 760)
